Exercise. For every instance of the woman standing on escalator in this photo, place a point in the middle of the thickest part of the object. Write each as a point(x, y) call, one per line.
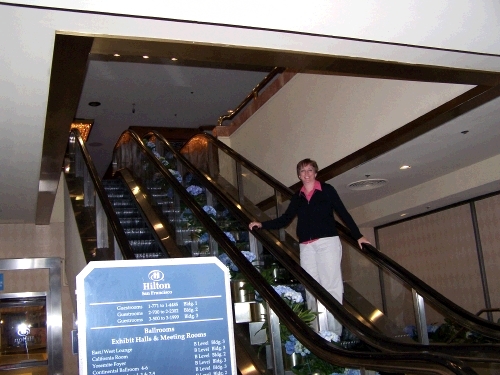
point(320, 247)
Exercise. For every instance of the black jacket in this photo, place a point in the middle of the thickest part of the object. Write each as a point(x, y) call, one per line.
point(315, 218)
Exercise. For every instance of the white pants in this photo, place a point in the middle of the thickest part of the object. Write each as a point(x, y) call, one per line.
point(321, 259)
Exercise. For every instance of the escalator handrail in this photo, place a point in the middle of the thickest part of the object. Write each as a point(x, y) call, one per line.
point(407, 361)
point(439, 302)
point(372, 337)
point(442, 303)
point(114, 222)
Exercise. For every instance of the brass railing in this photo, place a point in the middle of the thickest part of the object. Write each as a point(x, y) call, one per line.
point(253, 95)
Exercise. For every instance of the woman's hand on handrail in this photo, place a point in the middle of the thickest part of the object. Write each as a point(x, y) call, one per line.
point(361, 241)
point(254, 224)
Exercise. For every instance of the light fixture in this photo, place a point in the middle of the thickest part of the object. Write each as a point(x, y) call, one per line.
point(402, 215)
point(116, 55)
point(83, 126)
point(145, 57)
point(94, 104)
point(23, 329)
point(174, 59)
point(367, 184)
point(405, 167)
point(230, 111)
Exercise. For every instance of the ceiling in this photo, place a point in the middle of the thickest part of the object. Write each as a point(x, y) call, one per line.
point(178, 94)
point(217, 67)
point(455, 145)
point(173, 94)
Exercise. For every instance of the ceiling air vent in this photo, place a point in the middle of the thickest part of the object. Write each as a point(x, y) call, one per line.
point(368, 184)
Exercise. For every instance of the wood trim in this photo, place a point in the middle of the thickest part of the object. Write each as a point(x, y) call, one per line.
point(69, 65)
point(235, 57)
point(171, 134)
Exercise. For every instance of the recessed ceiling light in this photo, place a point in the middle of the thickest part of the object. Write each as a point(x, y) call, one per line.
point(94, 104)
point(145, 57)
point(174, 59)
point(230, 111)
point(403, 215)
point(405, 167)
point(116, 55)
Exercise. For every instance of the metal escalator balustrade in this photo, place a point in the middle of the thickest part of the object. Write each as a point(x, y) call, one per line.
point(102, 236)
point(136, 232)
point(133, 156)
point(139, 235)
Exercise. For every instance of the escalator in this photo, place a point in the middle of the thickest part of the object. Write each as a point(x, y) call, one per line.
point(207, 215)
point(139, 234)
point(235, 185)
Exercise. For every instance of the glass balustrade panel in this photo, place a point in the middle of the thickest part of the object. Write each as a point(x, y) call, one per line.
point(92, 222)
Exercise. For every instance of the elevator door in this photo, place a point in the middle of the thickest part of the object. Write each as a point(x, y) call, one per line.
point(23, 333)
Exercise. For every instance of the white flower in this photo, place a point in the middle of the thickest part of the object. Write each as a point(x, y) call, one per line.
point(249, 255)
point(210, 210)
point(289, 293)
point(329, 336)
point(194, 190)
point(176, 174)
point(230, 236)
point(301, 349)
point(352, 371)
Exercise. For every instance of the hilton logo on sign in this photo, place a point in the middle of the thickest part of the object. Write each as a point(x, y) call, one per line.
point(155, 286)
point(156, 275)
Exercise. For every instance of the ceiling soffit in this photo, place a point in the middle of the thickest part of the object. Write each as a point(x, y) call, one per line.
point(67, 81)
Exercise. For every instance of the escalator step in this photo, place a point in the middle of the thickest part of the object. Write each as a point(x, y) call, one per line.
point(122, 203)
point(130, 222)
point(113, 187)
point(117, 195)
point(160, 194)
point(127, 212)
point(135, 233)
point(143, 244)
point(149, 255)
point(138, 234)
point(162, 201)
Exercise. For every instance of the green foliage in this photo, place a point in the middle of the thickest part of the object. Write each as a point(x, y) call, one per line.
point(451, 332)
point(312, 365)
point(301, 310)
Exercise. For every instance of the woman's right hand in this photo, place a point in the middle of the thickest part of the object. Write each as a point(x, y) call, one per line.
point(254, 224)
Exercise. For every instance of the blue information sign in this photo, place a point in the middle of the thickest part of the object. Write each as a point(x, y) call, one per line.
point(155, 317)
